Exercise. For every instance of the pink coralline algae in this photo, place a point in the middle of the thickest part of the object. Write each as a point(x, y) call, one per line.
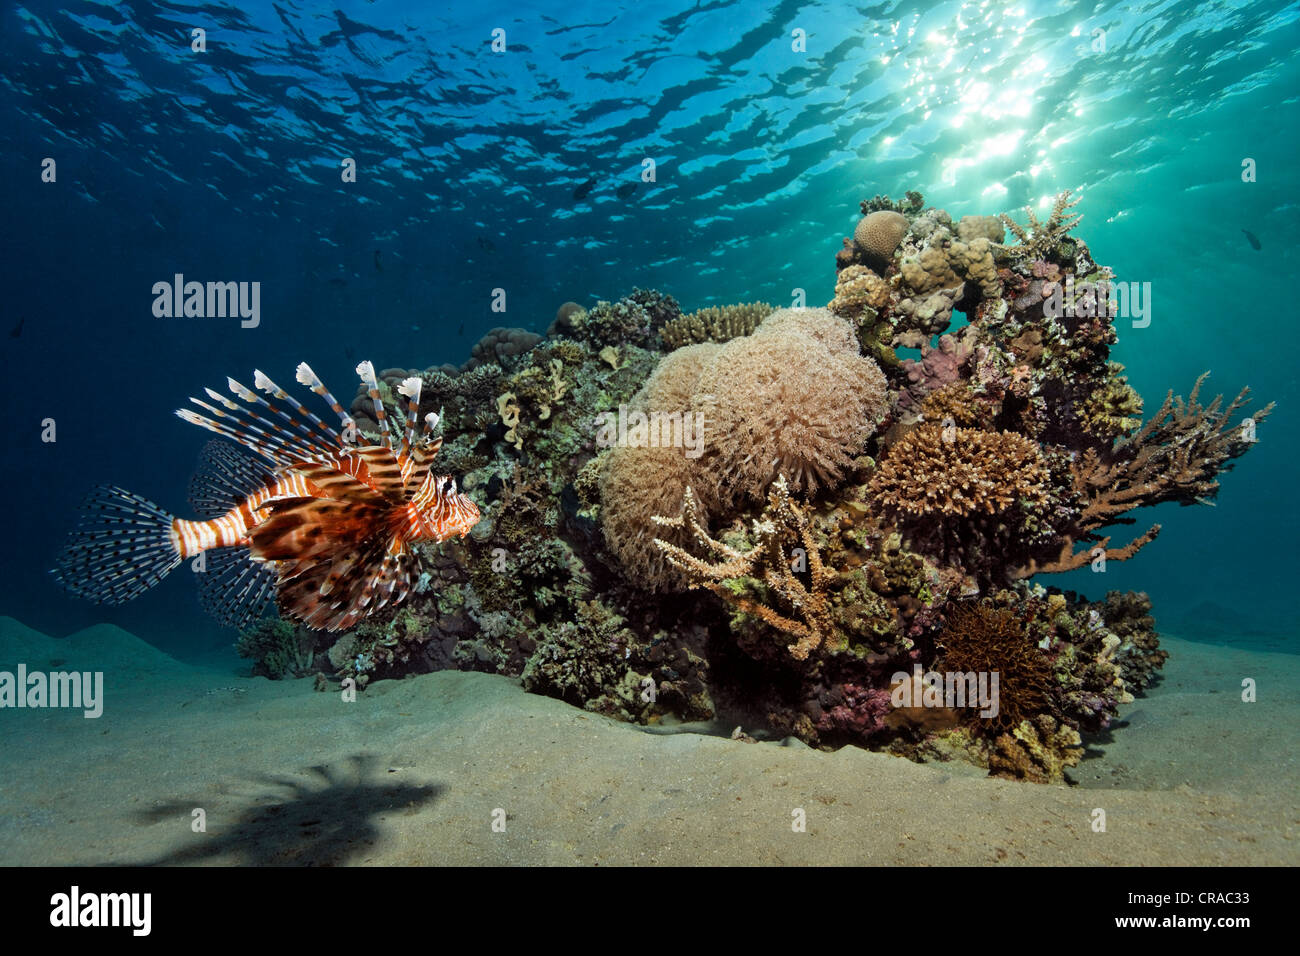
point(853, 710)
point(936, 368)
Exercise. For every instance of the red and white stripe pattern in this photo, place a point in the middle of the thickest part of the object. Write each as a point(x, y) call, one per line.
point(231, 529)
point(334, 519)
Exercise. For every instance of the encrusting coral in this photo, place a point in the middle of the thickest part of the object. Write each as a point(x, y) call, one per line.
point(837, 513)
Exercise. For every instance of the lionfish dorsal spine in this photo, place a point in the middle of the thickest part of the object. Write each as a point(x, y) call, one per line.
point(367, 372)
point(305, 376)
point(319, 430)
point(304, 446)
point(410, 390)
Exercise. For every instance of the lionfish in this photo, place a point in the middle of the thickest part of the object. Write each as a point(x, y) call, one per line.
point(311, 518)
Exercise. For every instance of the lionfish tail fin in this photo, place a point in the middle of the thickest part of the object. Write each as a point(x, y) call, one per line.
point(122, 546)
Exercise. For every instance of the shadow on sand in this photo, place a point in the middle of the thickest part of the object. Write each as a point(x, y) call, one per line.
point(325, 815)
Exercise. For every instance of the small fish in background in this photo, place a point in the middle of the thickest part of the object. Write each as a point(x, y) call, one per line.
point(461, 330)
point(18, 329)
point(485, 244)
point(294, 510)
point(338, 282)
point(349, 353)
point(1252, 239)
point(626, 190)
point(582, 191)
point(378, 266)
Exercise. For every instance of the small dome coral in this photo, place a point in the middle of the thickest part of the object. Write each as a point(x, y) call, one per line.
point(878, 234)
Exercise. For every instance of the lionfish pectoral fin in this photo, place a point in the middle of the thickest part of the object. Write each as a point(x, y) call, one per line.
point(301, 529)
point(227, 475)
point(308, 593)
point(234, 588)
point(338, 570)
point(122, 546)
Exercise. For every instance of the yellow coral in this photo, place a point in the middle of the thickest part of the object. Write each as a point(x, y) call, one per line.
point(508, 409)
point(1039, 749)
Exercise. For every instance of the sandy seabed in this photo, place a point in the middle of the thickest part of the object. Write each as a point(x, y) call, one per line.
point(418, 771)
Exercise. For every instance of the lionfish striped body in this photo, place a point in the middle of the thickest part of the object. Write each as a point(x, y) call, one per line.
point(320, 523)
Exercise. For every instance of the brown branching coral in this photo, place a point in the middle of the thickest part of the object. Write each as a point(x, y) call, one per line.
point(1038, 240)
point(958, 472)
point(781, 599)
point(1095, 550)
point(1176, 456)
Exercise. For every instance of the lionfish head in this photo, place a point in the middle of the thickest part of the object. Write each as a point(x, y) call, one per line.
point(444, 511)
point(462, 514)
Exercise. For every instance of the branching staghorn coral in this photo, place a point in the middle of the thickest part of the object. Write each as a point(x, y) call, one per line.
point(1038, 240)
point(804, 613)
point(1175, 456)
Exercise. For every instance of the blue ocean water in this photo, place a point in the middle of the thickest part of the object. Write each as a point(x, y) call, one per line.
point(766, 123)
